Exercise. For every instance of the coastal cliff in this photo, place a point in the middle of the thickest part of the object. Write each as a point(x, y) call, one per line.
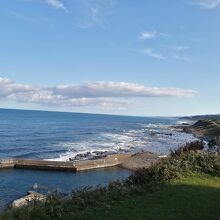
point(206, 128)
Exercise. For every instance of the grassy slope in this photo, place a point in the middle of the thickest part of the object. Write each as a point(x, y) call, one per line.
point(208, 128)
point(193, 197)
point(205, 127)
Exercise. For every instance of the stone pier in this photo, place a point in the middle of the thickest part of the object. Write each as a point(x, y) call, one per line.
point(109, 161)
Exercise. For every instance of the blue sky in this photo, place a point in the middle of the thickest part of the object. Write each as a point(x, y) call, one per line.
point(144, 57)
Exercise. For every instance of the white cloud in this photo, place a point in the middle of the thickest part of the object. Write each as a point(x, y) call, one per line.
point(208, 4)
point(151, 53)
point(56, 4)
point(146, 35)
point(89, 94)
point(94, 12)
point(115, 90)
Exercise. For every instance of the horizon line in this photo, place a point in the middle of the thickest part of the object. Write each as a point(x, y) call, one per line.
point(109, 114)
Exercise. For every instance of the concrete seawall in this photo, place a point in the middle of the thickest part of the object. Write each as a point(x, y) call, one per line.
point(36, 164)
point(7, 163)
point(45, 165)
point(109, 161)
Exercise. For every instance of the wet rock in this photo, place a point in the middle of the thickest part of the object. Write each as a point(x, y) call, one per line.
point(100, 154)
point(169, 134)
point(185, 124)
point(82, 156)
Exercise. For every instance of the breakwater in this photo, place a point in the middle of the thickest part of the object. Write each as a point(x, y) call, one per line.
point(109, 161)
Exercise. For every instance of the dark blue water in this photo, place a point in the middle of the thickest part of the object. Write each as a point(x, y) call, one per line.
point(60, 136)
point(15, 183)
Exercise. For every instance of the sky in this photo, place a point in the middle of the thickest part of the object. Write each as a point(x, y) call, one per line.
point(144, 57)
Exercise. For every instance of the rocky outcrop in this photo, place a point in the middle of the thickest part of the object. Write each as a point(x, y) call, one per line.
point(32, 196)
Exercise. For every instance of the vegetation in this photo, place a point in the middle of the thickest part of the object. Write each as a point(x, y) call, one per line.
point(192, 146)
point(193, 197)
point(183, 186)
point(208, 129)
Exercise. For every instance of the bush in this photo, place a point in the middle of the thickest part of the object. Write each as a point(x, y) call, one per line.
point(175, 166)
point(192, 146)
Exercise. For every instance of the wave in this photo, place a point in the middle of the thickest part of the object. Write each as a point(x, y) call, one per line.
point(155, 138)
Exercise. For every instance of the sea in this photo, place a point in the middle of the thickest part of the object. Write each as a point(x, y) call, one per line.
point(62, 136)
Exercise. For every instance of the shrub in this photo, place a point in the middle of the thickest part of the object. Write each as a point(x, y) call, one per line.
point(174, 167)
point(192, 146)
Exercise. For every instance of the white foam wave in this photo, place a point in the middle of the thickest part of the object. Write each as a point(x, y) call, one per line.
point(155, 138)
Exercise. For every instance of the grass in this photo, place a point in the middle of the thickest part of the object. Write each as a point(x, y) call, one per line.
point(184, 186)
point(195, 196)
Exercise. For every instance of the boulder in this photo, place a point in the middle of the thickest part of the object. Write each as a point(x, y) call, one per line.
point(30, 197)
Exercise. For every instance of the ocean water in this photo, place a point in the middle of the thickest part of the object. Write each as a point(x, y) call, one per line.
point(15, 183)
point(61, 136)
point(64, 136)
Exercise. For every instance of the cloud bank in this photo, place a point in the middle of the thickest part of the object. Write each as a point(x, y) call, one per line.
point(88, 94)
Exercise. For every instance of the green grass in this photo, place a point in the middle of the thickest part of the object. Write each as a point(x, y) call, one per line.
point(193, 197)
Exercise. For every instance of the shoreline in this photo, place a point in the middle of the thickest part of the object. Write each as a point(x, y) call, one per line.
point(126, 160)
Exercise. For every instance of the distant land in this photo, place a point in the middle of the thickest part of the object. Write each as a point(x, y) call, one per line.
point(206, 127)
point(201, 117)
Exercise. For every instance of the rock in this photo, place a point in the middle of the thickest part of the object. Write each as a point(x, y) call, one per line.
point(82, 156)
point(140, 160)
point(169, 134)
point(185, 123)
point(98, 153)
point(101, 154)
point(31, 196)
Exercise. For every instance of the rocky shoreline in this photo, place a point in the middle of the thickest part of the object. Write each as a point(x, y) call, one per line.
point(205, 128)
